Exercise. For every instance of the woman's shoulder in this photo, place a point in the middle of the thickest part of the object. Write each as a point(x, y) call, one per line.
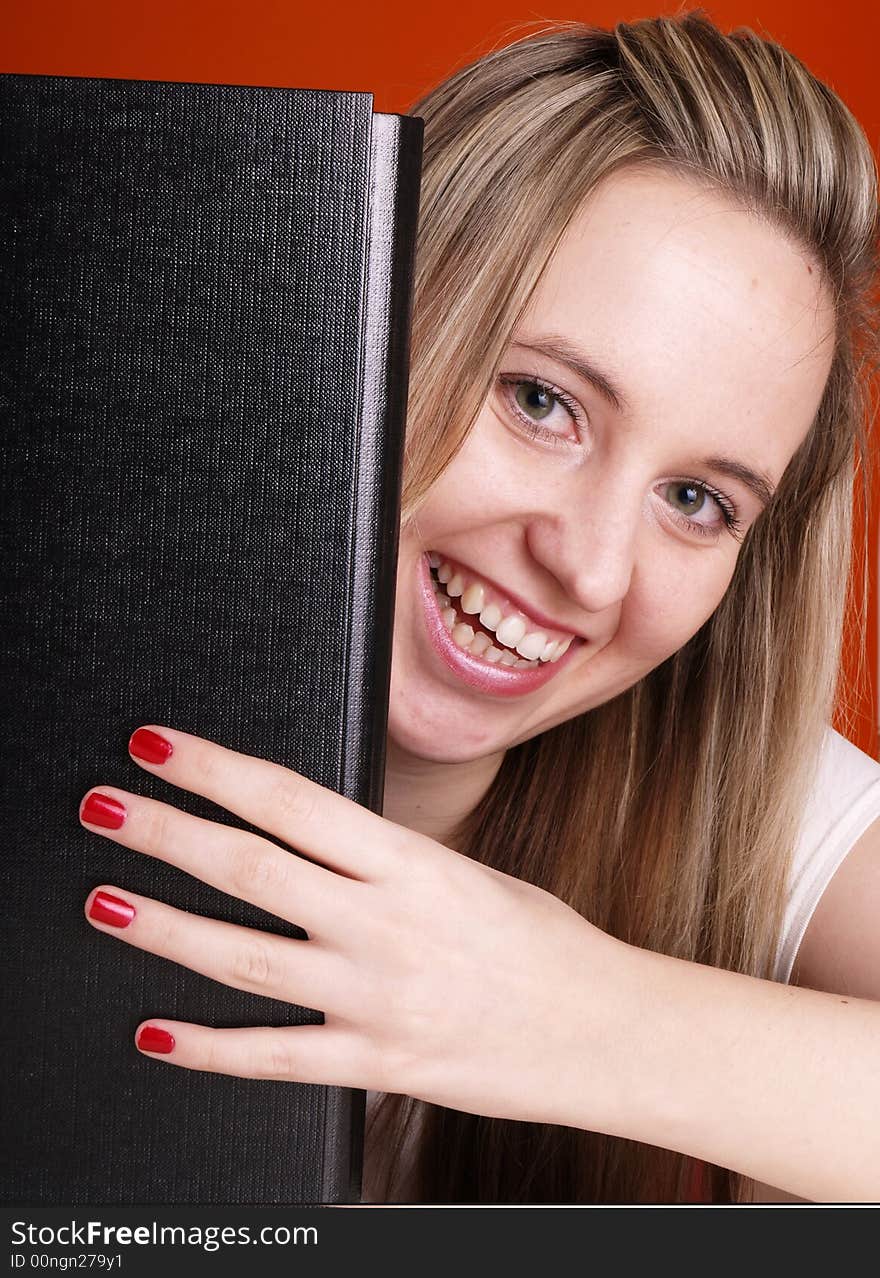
point(843, 803)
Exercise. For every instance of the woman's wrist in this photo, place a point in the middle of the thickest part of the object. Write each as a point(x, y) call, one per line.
point(640, 1048)
point(638, 1020)
point(599, 1073)
point(659, 1046)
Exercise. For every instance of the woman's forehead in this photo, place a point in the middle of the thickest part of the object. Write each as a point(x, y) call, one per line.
point(697, 309)
point(641, 236)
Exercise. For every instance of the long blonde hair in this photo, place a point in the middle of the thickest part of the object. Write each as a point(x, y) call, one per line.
point(673, 819)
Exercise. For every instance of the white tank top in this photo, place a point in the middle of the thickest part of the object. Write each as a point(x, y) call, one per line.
point(844, 802)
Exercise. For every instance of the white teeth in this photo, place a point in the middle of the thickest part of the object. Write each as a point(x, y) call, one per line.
point(443, 600)
point(473, 598)
point(490, 617)
point(463, 635)
point(511, 631)
point(562, 649)
point(532, 645)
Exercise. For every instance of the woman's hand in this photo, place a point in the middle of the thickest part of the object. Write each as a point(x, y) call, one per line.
point(438, 977)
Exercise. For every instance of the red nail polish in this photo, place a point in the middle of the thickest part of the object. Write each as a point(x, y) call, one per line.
point(149, 746)
point(111, 909)
point(153, 1039)
point(100, 809)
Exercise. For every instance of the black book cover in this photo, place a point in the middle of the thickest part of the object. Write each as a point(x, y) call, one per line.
point(205, 320)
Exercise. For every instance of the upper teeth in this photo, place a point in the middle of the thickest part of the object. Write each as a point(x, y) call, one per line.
point(511, 630)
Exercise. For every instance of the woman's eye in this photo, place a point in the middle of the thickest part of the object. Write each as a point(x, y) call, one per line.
point(543, 410)
point(689, 498)
point(546, 412)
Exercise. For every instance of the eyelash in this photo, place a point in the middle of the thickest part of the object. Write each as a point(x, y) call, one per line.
point(535, 429)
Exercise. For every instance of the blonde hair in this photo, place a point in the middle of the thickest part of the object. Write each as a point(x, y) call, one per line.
point(673, 819)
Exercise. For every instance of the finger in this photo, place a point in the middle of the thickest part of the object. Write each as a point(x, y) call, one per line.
point(334, 1055)
point(236, 861)
point(317, 821)
point(279, 967)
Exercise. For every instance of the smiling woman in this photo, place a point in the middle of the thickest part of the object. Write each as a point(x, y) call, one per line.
point(625, 867)
point(642, 333)
point(605, 505)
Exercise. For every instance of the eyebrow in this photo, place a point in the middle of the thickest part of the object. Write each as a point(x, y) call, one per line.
point(760, 484)
point(559, 348)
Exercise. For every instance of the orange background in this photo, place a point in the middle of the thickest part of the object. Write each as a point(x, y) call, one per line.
point(397, 50)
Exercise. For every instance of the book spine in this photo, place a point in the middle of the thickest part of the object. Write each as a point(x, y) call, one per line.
point(397, 153)
point(388, 294)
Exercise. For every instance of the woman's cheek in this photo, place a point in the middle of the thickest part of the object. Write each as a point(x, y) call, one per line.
point(683, 606)
point(655, 624)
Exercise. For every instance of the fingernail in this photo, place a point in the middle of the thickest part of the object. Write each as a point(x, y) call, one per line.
point(149, 746)
point(111, 909)
point(100, 809)
point(153, 1039)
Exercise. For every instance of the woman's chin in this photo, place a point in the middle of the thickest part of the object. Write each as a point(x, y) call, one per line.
point(424, 732)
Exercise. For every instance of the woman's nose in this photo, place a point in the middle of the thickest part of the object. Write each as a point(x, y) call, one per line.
point(590, 549)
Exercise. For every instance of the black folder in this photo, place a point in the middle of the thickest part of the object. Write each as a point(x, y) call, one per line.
point(205, 299)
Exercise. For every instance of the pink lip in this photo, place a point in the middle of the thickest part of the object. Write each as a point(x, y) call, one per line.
point(497, 681)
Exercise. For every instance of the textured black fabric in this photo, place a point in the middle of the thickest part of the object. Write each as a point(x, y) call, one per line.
point(204, 310)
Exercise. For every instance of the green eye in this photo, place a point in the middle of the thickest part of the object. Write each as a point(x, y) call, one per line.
point(697, 501)
point(695, 498)
point(530, 391)
point(534, 400)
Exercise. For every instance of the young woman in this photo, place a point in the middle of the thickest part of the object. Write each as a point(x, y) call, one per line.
point(563, 961)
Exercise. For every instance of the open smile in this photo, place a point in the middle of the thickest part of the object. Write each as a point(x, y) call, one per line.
point(489, 643)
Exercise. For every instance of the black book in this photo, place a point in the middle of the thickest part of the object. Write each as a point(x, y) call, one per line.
point(205, 319)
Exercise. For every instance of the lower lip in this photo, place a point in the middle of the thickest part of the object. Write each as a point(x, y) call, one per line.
point(497, 681)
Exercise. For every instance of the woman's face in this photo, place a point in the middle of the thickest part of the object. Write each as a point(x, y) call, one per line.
point(610, 524)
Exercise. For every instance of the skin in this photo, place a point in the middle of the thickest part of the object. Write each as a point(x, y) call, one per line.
point(432, 969)
point(718, 333)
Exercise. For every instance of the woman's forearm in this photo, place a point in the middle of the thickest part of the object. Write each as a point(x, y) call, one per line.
point(776, 1082)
